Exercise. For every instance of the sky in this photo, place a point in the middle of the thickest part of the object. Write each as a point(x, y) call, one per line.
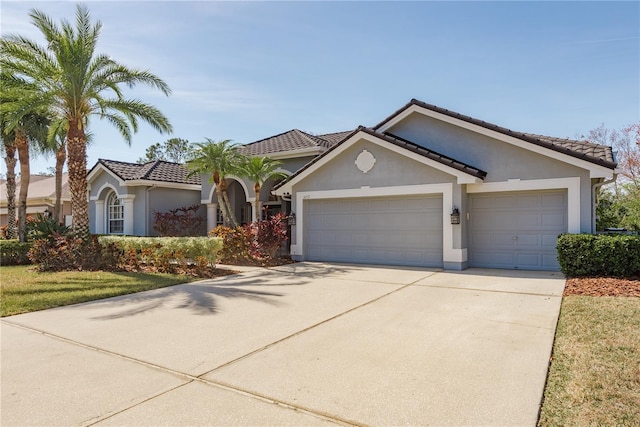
point(249, 70)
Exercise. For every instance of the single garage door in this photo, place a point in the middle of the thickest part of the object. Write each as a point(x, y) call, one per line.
point(516, 230)
point(386, 230)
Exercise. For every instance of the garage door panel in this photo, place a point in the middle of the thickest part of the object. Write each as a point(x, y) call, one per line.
point(516, 230)
point(391, 230)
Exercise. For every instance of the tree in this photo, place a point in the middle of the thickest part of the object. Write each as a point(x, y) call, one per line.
point(219, 159)
point(31, 130)
point(9, 149)
point(258, 170)
point(172, 150)
point(619, 204)
point(70, 79)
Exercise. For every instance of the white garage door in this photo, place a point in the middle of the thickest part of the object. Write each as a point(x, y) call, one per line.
point(387, 230)
point(516, 230)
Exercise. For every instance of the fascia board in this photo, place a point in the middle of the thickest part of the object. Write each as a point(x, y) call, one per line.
point(596, 171)
point(101, 168)
point(161, 184)
point(292, 154)
point(462, 177)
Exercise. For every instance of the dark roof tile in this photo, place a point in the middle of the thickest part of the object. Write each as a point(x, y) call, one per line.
point(294, 139)
point(158, 170)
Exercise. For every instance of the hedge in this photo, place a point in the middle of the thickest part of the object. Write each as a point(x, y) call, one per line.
point(164, 251)
point(13, 252)
point(599, 255)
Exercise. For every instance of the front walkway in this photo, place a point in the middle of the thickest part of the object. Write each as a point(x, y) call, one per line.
point(300, 344)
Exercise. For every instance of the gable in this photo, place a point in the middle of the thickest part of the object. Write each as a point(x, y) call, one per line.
point(596, 158)
point(501, 160)
point(396, 163)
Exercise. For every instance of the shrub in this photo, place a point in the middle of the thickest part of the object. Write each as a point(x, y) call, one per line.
point(268, 236)
point(235, 244)
point(13, 252)
point(599, 255)
point(183, 221)
point(164, 253)
point(59, 253)
point(259, 241)
point(42, 227)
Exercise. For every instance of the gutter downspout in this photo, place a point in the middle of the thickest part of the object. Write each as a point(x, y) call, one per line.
point(594, 192)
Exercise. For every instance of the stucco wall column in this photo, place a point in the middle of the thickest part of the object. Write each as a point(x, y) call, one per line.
point(212, 216)
point(127, 200)
point(99, 224)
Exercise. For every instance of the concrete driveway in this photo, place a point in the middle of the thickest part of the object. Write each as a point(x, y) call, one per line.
point(303, 344)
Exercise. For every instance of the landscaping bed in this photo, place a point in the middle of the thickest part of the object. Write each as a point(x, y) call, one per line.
point(603, 286)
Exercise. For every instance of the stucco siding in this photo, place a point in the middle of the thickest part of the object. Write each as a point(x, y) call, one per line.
point(502, 161)
point(164, 200)
point(390, 169)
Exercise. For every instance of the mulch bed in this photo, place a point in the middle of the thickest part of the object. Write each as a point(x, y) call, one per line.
point(603, 286)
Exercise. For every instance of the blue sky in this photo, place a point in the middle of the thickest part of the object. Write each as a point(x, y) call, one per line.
point(249, 70)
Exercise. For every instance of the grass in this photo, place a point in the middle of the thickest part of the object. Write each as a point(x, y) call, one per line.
point(594, 378)
point(23, 290)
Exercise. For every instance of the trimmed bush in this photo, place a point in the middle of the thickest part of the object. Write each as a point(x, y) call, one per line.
point(164, 253)
point(64, 253)
point(599, 255)
point(13, 252)
point(236, 243)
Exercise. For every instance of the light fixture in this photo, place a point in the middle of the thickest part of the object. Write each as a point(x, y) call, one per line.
point(291, 219)
point(455, 216)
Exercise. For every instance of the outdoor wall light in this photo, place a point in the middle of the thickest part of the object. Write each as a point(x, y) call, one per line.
point(455, 216)
point(291, 219)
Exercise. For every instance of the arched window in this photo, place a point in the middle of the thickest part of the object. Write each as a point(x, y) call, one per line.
point(115, 215)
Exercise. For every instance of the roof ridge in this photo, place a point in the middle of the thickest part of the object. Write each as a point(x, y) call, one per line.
point(151, 169)
point(269, 137)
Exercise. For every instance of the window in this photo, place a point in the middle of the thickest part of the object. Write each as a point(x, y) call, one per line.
point(115, 215)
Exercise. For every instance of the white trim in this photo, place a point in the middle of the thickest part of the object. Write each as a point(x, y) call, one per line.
point(101, 168)
point(449, 254)
point(291, 154)
point(213, 189)
point(462, 177)
point(571, 184)
point(101, 189)
point(596, 171)
point(161, 184)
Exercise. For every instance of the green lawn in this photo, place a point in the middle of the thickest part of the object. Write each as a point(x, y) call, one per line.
point(23, 290)
point(594, 379)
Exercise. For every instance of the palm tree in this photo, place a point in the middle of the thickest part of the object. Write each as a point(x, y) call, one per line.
point(258, 170)
point(31, 130)
point(9, 148)
point(68, 78)
point(219, 159)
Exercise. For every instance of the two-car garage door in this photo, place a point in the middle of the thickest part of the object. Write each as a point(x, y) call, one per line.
point(516, 230)
point(375, 230)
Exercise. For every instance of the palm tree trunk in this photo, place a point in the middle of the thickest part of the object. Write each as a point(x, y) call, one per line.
point(77, 163)
point(256, 189)
point(10, 160)
point(61, 157)
point(22, 145)
point(226, 219)
point(232, 215)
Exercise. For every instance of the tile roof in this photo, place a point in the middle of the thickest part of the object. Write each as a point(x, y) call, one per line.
point(158, 170)
point(294, 139)
point(598, 154)
point(400, 142)
point(40, 187)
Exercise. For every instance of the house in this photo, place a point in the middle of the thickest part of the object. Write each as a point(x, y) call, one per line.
point(425, 187)
point(41, 197)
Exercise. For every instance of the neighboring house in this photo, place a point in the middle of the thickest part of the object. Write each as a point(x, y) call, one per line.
point(41, 197)
point(425, 187)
